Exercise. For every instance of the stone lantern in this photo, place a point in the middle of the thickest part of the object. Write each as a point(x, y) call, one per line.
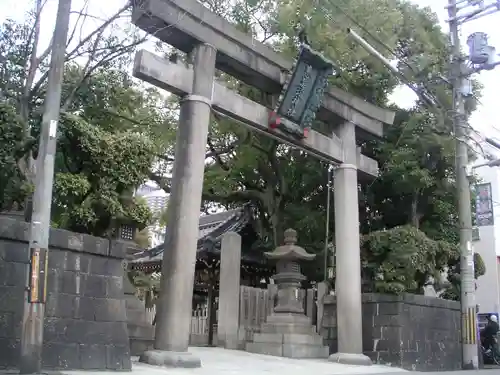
point(289, 277)
point(288, 332)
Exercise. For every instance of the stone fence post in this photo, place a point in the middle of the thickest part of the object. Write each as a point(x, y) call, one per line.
point(229, 291)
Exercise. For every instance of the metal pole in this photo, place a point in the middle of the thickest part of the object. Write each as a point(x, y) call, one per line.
point(327, 229)
point(467, 287)
point(34, 309)
point(492, 142)
point(372, 51)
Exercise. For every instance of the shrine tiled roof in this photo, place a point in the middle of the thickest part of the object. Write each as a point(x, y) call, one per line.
point(211, 229)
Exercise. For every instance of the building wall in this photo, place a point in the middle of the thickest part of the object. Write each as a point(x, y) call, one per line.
point(156, 234)
point(85, 322)
point(488, 246)
point(157, 201)
point(487, 292)
point(409, 331)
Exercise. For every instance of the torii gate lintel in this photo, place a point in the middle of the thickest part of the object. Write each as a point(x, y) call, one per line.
point(177, 79)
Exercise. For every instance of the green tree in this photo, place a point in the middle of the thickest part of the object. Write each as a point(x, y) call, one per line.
point(452, 287)
point(142, 238)
point(24, 68)
point(110, 130)
point(13, 188)
point(147, 286)
point(93, 185)
point(416, 185)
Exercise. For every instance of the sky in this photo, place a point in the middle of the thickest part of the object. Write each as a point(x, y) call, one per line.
point(483, 120)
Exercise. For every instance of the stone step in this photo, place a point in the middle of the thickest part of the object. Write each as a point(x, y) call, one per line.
point(264, 348)
point(290, 318)
point(288, 350)
point(278, 327)
point(289, 338)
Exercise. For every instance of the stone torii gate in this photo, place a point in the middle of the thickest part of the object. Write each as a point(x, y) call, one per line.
point(215, 43)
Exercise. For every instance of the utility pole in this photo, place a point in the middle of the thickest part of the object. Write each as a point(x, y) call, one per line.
point(481, 57)
point(34, 308)
point(467, 286)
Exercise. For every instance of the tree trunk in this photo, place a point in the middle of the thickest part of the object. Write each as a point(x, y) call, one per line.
point(27, 163)
point(276, 219)
point(414, 214)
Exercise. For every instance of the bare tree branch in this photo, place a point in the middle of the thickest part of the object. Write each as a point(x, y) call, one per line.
point(234, 197)
point(31, 64)
point(214, 153)
point(98, 31)
point(166, 158)
point(217, 157)
point(163, 182)
point(81, 14)
point(86, 72)
point(26, 163)
point(278, 173)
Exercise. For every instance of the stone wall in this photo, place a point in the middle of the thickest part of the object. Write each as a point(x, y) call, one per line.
point(140, 331)
point(409, 331)
point(85, 323)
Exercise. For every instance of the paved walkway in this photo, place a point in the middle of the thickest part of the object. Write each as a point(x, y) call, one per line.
point(217, 361)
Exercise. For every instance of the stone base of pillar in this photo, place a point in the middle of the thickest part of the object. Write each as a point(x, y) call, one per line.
point(288, 335)
point(233, 342)
point(170, 359)
point(350, 359)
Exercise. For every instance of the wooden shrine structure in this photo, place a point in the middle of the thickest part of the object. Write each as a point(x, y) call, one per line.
point(254, 267)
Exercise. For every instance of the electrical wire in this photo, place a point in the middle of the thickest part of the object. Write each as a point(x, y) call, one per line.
point(405, 80)
point(367, 32)
point(437, 106)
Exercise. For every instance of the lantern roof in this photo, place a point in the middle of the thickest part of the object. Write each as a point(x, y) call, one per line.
point(290, 251)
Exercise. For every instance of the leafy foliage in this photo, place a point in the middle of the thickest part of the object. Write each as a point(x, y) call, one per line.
point(12, 187)
point(452, 290)
point(403, 259)
point(147, 286)
point(142, 238)
point(113, 131)
point(109, 131)
point(408, 214)
point(93, 179)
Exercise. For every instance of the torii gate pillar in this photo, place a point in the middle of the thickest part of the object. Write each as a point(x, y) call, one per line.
point(348, 262)
point(183, 212)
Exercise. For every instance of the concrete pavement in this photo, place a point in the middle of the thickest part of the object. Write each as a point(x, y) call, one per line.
point(217, 361)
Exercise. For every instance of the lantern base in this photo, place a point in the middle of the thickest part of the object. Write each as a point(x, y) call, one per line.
point(288, 335)
point(170, 359)
point(350, 359)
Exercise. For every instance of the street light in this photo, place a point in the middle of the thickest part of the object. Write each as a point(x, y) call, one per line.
point(491, 163)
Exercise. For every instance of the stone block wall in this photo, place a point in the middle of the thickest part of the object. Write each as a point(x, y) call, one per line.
point(85, 317)
point(140, 331)
point(408, 331)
